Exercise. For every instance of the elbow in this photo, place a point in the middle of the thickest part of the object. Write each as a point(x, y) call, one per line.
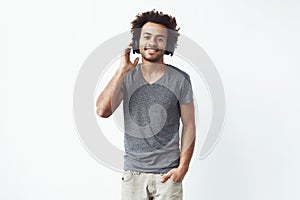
point(104, 113)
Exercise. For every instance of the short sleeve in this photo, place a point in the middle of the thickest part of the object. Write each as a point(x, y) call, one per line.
point(186, 91)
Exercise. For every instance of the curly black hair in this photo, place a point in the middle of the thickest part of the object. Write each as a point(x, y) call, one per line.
point(160, 18)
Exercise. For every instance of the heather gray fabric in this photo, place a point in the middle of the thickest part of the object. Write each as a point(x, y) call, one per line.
point(151, 117)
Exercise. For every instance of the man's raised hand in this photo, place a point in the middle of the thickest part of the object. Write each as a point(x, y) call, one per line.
point(126, 65)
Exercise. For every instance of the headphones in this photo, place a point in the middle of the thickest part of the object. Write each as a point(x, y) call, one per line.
point(170, 47)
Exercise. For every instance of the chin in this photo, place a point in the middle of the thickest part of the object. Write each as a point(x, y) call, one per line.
point(152, 58)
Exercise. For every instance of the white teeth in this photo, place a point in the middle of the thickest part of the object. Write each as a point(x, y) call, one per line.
point(152, 50)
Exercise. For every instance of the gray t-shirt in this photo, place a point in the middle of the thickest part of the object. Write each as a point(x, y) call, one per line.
point(151, 118)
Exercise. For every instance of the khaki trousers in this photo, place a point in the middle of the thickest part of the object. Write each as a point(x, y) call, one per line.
point(147, 186)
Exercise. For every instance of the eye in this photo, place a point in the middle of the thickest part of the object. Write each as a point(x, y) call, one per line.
point(147, 37)
point(160, 39)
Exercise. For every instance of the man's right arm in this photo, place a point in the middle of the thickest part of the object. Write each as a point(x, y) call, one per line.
point(111, 97)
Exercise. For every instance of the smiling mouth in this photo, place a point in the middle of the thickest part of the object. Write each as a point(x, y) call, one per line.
point(151, 49)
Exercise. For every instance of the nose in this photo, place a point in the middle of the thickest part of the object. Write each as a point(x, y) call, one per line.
point(152, 42)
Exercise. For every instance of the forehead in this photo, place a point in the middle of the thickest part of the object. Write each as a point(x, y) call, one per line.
point(154, 29)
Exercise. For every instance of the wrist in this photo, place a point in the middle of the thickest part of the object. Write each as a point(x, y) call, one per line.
point(122, 71)
point(183, 167)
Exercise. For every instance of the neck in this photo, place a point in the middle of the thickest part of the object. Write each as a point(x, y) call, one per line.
point(152, 67)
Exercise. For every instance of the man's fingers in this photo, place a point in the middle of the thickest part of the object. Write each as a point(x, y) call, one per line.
point(165, 177)
point(128, 48)
point(127, 51)
point(126, 58)
point(136, 61)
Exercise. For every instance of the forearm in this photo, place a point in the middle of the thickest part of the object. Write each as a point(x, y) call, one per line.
point(187, 146)
point(108, 99)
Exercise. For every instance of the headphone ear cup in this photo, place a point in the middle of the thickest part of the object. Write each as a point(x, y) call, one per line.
point(171, 42)
point(169, 49)
point(135, 46)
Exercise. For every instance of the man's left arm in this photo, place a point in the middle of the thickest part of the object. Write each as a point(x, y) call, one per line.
point(187, 143)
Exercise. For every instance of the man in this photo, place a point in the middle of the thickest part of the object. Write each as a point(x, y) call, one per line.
point(155, 96)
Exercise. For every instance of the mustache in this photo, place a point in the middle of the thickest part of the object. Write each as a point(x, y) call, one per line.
point(151, 47)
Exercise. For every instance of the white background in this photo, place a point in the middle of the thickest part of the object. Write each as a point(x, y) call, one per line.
point(254, 45)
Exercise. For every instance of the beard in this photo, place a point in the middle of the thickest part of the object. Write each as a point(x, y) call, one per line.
point(151, 53)
point(152, 58)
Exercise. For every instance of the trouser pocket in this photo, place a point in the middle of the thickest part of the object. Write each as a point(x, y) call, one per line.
point(127, 176)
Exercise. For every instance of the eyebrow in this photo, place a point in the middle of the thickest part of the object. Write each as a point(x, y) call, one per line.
point(151, 34)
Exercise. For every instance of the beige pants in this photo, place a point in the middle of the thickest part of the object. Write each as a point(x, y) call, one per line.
point(147, 186)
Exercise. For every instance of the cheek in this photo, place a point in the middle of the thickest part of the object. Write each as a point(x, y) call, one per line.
point(141, 46)
point(141, 42)
point(162, 46)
